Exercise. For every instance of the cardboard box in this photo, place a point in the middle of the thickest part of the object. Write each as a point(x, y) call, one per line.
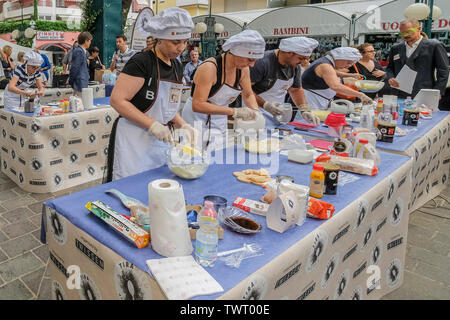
point(99, 74)
point(251, 206)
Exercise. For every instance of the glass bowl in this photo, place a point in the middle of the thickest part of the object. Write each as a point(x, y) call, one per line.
point(186, 166)
point(238, 220)
point(369, 86)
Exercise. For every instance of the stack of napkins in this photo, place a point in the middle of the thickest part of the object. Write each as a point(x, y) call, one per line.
point(182, 278)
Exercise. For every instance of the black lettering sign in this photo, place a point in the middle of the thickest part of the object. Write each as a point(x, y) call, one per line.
point(35, 146)
point(307, 292)
point(435, 183)
point(21, 161)
point(401, 182)
point(5, 150)
point(381, 224)
point(38, 183)
point(57, 161)
point(56, 126)
point(373, 287)
point(92, 256)
point(23, 125)
point(3, 117)
point(13, 171)
point(287, 276)
point(423, 150)
point(90, 155)
point(93, 121)
point(59, 265)
point(74, 175)
point(349, 253)
point(74, 141)
point(395, 243)
point(359, 270)
point(13, 138)
point(377, 204)
point(341, 234)
point(105, 136)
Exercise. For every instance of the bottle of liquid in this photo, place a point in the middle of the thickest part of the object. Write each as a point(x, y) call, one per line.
point(366, 119)
point(61, 104)
point(208, 210)
point(66, 105)
point(380, 106)
point(207, 238)
point(317, 181)
point(409, 104)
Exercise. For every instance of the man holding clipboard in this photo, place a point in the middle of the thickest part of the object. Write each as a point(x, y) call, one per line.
point(424, 59)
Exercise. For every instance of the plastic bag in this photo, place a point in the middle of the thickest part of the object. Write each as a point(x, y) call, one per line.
point(293, 141)
point(234, 259)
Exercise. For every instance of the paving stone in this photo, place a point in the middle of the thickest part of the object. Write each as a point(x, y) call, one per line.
point(3, 257)
point(36, 207)
point(18, 229)
point(17, 215)
point(19, 266)
point(8, 195)
point(411, 263)
point(34, 279)
point(416, 287)
point(2, 209)
point(19, 245)
point(45, 290)
point(42, 252)
point(42, 196)
point(36, 220)
point(37, 234)
point(427, 256)
point(21, 192)
point(3, 237)
point(3, 222)
point(8, 185)
point(429, 271)
point(15, 290)
point(18, 202)
point(418, 240)
point(421, 231)
point(442, 237)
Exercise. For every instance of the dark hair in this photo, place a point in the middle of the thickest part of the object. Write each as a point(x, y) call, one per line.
point(122, 36)
point(149, 37)
point(83, 37)
point(94, 49)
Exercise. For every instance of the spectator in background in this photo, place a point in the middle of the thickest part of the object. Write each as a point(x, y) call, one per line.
point(122, 55)
point(67, 60)
point(427, 57)
point(45, 67)
point(94, 62)
point(305, 63)
point(20, 57)
point(7, 62)
point(150, 43)
point(191, 66)
point(79, 71)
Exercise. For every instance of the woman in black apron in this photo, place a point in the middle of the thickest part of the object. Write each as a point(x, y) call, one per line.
point(147, 96)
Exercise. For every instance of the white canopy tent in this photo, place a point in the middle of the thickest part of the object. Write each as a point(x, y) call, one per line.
point(231, 26)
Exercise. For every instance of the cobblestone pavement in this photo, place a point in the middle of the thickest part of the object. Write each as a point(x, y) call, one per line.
point(24, 259)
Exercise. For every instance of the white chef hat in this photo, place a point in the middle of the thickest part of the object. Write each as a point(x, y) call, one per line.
point(173, 24)
point(300, 45)
point(247, 44)
point(346, 53)
point(33, 59)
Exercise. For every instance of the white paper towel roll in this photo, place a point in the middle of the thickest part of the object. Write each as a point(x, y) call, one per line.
point(87, 96)
point(168, 221)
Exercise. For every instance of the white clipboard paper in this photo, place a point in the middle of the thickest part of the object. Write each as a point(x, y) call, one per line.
point(406, 78)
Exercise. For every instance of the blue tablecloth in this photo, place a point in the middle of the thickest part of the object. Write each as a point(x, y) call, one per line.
point(98, 102)
point(218, 180)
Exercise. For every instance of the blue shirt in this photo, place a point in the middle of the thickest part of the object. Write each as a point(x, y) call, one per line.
point(123, 58)
point(45, 64)
point(189, 70)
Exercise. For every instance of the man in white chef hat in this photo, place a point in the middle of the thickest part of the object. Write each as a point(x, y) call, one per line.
point(24, 76)
point(219, 81)
point(279, 73)
point(321, 82)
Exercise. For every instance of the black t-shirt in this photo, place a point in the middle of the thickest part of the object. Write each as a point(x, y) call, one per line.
point(268, 70)
point(94, 64)
point(144, 65)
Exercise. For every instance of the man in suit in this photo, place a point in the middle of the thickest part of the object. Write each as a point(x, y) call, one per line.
point(79, 71)
point(427, 57)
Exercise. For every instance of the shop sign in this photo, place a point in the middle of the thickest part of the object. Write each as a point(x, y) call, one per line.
point(50, 35)
point(291, 31)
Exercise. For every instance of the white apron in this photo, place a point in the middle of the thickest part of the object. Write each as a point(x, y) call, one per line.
point(136, 150)
point(214, 127)
point(14, 100)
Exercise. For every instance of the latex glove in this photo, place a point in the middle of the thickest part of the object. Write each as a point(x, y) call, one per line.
point(311, 117)
point(160, 132)
point(190, 134)
point(245, 114)
point(272, 108)
point(365, 99)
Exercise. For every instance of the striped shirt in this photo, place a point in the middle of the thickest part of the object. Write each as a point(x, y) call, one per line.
point(25, 81)
point(123, 58)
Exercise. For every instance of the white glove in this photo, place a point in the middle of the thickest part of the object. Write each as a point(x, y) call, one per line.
point(272, 108)
point(190, 134)
point(161, 132)
point(365, 99)
point(311, 117)
point(245, 114)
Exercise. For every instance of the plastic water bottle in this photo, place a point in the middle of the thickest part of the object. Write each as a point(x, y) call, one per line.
point(366, 119)
point(207, 238)
point(37, 107)
point(409, 104)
